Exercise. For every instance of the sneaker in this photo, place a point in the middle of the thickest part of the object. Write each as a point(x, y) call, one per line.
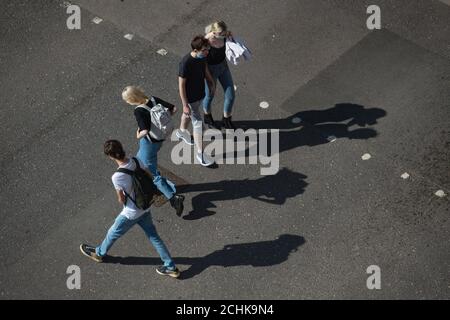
point(164, 271)
point(204, 159)
point(89, 252)
point(177, 203)
point(209, 121)
point(185, 136)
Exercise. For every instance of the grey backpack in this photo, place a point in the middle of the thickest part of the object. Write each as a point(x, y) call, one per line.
point(162, 124)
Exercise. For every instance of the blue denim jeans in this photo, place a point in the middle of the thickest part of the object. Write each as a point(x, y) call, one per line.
point(222, 72)
point(123, 224)
point(148, 154)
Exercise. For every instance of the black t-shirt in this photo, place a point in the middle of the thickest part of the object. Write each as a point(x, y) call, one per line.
point(144, 118)
point(216, 55)
point(193, 70)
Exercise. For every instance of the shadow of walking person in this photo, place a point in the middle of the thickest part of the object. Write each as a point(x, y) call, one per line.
point(255, 254)
point(273, 189)
point(315, 127)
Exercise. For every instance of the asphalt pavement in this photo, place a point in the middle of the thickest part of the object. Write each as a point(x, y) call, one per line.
point(335, 90)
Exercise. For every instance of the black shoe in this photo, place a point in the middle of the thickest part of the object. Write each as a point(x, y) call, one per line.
point(209, 121)
point(177, 203)
point(89, 252)
point(228, 124)
point(164, 271)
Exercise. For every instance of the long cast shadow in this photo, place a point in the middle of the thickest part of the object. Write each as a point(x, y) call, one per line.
point(274, 189)
point(256, 254)
point(344, 120)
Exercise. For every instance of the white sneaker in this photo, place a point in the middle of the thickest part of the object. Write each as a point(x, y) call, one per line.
point(185, 136)
point(204, 159)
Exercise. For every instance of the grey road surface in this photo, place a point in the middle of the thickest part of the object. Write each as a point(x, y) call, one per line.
point(308, 232)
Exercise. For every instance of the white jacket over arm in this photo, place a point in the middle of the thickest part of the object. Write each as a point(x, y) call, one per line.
point(236, 49)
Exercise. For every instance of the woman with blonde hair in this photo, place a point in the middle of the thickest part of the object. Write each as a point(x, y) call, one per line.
point(148, 145)
point(216, 34)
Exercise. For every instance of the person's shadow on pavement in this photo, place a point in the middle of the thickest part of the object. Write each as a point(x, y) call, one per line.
point(316, 127)
point(273, 189)
point(255, 254)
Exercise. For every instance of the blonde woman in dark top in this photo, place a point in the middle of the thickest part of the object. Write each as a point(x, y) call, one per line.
point(148, 146)
point(217, 34)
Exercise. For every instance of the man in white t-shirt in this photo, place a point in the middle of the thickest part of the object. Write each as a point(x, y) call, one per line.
point(123, 184)
point(130, 214)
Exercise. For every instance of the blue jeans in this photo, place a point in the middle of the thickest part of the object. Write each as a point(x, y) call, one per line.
point(148, 154)
point(222, 72)
point(122, 225)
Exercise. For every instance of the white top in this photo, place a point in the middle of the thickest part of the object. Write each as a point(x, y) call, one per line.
point(124, 182)
point(237, 49)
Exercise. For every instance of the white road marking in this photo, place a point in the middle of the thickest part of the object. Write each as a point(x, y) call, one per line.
point(405, 175)
point(162, 52)
point(97, 20)
point(366, 156)
point(264, 104)
point(129, 36)
point(440, 193)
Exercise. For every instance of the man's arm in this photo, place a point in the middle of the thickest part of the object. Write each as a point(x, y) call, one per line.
point(183, 96)
point(120, 196)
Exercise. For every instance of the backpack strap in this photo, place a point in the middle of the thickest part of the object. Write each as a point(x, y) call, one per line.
point(131, 173)
point(136, 162)
point(127, 196)
point(144, 106)
point(126, 171)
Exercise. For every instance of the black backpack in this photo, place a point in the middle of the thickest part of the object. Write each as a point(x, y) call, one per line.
point(143, 186)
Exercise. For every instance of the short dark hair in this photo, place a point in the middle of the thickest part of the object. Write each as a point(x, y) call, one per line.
point(114, 149)
point(199, 42)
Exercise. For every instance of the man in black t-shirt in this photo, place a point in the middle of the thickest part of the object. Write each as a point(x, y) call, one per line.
point(193, 71)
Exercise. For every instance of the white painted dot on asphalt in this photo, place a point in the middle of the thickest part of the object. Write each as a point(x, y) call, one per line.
point(366, 156)
point(128, 36)
point(264, 104)
point(331, 138)
point(440, 193)
point(65, 4)
point(296, 120)
point(405, 175)
point(162, 52)
point(97, 20)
